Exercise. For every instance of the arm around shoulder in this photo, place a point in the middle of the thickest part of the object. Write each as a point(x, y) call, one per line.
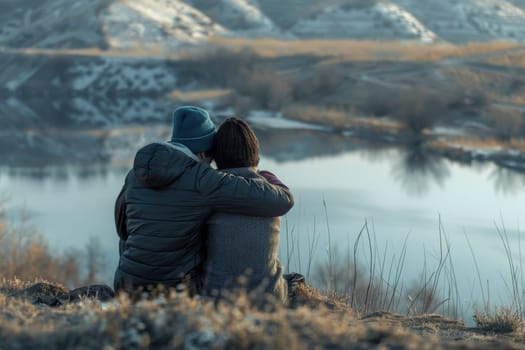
point(238, 195)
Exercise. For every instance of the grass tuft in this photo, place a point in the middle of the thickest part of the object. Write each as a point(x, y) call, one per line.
point(501, 320)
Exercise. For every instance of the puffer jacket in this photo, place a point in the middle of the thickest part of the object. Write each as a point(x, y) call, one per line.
point(165, 202)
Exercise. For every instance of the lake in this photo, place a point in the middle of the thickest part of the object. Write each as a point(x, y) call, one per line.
point(402, 195)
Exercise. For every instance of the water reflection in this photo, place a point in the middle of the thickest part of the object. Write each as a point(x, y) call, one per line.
point(416, 171)
point(506, 181)
point(37, 132)
point(84, 138)
point(293, 145)
point(60, 174)
point(82, 112)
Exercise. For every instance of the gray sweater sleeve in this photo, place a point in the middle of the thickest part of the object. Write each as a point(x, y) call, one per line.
point(228, 193)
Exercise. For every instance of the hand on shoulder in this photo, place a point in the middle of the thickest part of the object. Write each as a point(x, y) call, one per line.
point(271, 178)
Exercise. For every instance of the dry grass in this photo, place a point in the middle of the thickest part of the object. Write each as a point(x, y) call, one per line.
point(344, 49)
point(315, 114)
point(24, 253)
point(514, 59)
point(200, 95)
point(498, 321)
point(474, 79)
point(177, 321)
point(313, 321)
point(340, 119)
point(353, 50)
point(502, 86)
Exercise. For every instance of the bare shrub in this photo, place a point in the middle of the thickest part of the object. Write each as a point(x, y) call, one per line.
point(323, 82)
point(419, 108)
point(242, 71)
point(376, 101)
point(266, 87)
point(506, 123)
point(219, 67)
point(25, 254)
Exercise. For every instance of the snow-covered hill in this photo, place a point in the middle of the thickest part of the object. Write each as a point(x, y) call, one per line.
point(378, 21)
point(239, 16)
point(470, 20)
point(41, 75)
point(51, 23)
point(166, 24)
point(518, 3)
point(172, 24)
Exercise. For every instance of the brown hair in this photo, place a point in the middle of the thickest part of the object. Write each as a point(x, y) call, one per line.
point(236, 145)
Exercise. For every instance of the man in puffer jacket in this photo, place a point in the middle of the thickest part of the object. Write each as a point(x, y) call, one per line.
point(166, 199)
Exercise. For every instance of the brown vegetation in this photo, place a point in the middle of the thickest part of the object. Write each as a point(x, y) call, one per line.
point(374, 282)
point(314, 114)
point(353, 50)
point(498, 321)
point(255, 82)
point(177, 321)
point(515, 59)
point(313, 319)
point(506, 123)
point(25, 254)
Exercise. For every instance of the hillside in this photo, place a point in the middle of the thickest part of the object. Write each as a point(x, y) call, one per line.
point(453, 21)
point(287, 13)
point(239, 16)
point(51, 23)
point(470, 20)
point(103, 23)
point(382, 20)
point(172, 24)
point(178, 322)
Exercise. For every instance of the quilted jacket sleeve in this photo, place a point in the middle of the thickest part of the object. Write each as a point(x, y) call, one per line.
point(120, 215)
point(238, 195)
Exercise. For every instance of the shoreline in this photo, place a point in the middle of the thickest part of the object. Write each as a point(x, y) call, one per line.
point(453, 145)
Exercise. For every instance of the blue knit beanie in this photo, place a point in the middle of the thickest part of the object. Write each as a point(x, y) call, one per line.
point(193, 127)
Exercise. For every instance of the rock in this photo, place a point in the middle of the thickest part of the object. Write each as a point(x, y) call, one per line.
point(96, 291)
point(55, 295)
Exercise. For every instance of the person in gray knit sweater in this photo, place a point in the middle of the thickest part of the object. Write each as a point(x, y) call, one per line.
point(241, 251)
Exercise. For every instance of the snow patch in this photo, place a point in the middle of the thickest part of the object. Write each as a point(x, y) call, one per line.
point(113, 74)
point(119, 111)
point(405, 21)
point(377, 21)
point(469, 20)
point(276, 121)
point(165, 24)
point(240, 16)
point(14, 84)
point(21, 108)
point(447, 131)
